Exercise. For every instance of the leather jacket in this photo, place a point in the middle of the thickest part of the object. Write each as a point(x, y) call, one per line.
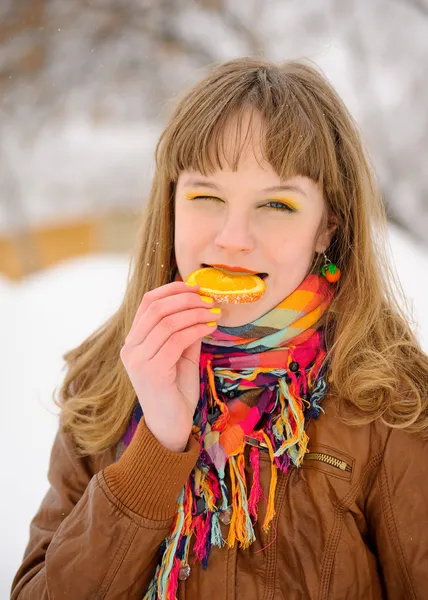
point(351, 523)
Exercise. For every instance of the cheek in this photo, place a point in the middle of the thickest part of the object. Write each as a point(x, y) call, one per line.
point(184, 225)
point(191, 235)
point(298, 244)
point(181, 233)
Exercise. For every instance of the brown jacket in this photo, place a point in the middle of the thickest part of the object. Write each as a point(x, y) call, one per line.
point(352, 523)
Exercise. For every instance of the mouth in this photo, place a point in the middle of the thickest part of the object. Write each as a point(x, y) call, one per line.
point(237, 270)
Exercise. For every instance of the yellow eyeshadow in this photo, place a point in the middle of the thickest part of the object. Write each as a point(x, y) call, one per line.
point(192, 195)
point(287, 201)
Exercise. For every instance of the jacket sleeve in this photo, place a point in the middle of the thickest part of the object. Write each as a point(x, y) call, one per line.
point(97, 535)
point(397, 515)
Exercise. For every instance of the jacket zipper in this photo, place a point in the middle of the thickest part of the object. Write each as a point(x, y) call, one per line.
point(319, 456)
point(329, 460)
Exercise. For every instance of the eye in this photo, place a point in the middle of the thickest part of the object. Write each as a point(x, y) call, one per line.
point(280, 206)
point(204, 198)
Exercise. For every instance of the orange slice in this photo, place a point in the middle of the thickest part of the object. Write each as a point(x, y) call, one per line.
point(228, 286)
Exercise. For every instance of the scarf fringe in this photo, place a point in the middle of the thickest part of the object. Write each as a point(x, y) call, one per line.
point(256, 490)
point(241, 528)
point(166, 576)
point(286, 442)
point(221, 421)
point(270, 512)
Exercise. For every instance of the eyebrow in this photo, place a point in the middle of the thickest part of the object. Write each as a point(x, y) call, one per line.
point(276, 188)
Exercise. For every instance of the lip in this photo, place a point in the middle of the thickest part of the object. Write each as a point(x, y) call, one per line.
point(235, 269)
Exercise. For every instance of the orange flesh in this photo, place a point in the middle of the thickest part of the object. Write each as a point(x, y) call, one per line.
point(225, 282)
point(227, 286)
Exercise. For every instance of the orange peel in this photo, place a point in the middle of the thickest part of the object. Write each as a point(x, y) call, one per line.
point(227, 286)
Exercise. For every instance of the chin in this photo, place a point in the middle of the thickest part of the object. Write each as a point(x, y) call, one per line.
point(235, 315)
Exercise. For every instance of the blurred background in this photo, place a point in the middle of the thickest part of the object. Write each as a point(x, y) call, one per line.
point(85, 88)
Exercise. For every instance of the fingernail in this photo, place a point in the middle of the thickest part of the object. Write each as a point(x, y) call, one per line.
point(216, 311)
point(211, 324)
point(207, 299)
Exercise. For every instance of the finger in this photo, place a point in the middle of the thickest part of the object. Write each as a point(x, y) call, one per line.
point(159, 309)
point(169, 354)
point(159, 335)
point(163, 291)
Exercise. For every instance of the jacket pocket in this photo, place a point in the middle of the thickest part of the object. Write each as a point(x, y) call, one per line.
point(320, 457)
point(330, 461)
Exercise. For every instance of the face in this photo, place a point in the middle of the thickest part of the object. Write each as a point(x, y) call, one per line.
point(249, 218)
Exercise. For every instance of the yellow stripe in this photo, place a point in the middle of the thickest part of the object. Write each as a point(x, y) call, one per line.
point(297, 301)
point(271, 319)
point(308, 320)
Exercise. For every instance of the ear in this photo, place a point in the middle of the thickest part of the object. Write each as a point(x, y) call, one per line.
point(325, 237)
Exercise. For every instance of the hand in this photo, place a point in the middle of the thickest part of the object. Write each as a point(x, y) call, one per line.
point(161, 356)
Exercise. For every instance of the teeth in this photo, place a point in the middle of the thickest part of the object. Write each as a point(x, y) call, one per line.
point(261, 275)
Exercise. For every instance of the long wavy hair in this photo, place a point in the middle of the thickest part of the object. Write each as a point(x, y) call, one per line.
point(375, 362)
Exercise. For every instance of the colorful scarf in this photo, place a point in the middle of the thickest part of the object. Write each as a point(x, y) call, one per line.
point(259, 385)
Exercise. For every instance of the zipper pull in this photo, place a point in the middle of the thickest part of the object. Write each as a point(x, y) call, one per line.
point(255, 442)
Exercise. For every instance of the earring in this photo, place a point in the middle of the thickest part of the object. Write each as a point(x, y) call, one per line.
point(329, 270)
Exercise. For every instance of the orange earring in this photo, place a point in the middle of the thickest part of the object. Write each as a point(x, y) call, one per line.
point(329, 270)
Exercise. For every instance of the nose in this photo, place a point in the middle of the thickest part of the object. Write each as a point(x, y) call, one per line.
point(235, 234)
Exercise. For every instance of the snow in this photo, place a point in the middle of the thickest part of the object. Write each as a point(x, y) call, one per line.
point(53, 311)
point(40, 319)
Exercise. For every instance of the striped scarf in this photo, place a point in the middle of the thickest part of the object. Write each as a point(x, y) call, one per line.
point(259, 385)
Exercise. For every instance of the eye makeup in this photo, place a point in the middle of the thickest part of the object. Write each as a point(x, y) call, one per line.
point(287, 202)
point(192, 195)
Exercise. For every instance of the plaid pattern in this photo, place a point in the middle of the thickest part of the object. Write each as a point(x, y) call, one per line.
point(293, 319)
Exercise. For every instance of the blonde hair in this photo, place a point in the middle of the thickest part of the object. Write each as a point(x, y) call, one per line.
point(375, 362)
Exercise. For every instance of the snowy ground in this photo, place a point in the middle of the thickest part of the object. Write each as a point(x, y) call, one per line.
point(42, 318)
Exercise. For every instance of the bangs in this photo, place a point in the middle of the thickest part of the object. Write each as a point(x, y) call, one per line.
point(207, 130)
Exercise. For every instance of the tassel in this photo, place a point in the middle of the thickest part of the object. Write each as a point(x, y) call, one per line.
point(216, 535)
point(207, 550)
point(202, 545)
point(188, 504)
point(187, 549)
point(241, 528)
point(296, 441)
point(270, 512)
point(221, 421)
point(210, 489)
point(317, 395)
point(224, 491)
point(231, 538)
point(248, 535)
point(256, 490)
point(169, 554)
point(197, 482)
point(173, 579)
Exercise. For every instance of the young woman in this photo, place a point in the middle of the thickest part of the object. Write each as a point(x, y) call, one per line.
point(273, 449)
